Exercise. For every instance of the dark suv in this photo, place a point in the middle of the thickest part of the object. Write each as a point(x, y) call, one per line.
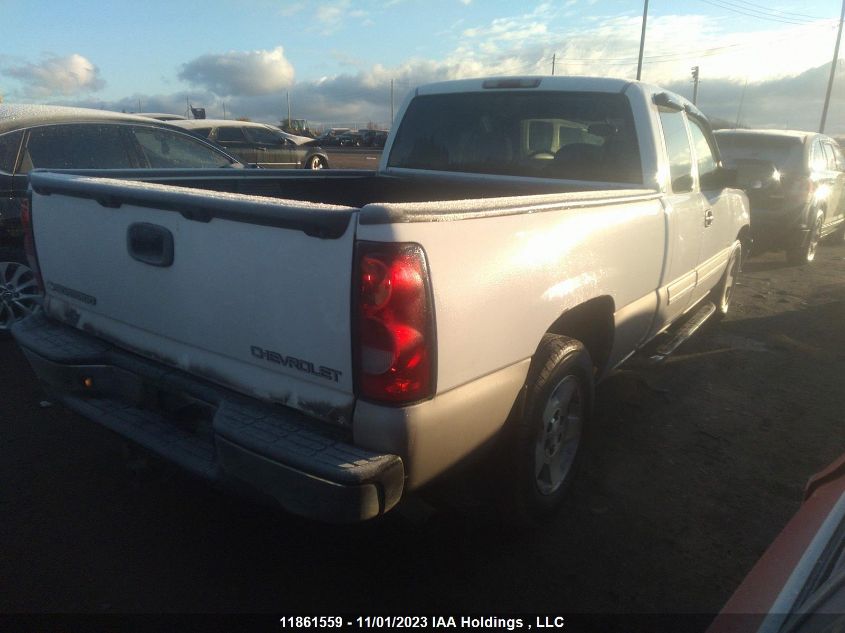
point(75, 138)
point(795, 182)
point(259, 144)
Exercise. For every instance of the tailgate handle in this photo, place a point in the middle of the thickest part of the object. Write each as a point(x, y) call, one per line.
point(150, 244)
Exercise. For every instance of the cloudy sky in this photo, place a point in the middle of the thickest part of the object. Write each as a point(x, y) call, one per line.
point(764, 63)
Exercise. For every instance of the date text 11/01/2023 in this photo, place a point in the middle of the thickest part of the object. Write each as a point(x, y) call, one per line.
point(412, 622)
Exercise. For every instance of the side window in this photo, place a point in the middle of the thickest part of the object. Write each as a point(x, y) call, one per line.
point(840, 161)
point(164, 148)
point(80, 146)
point(830, 159)
point(10, 144)
point(703, 152)
point(231, 135)
point(818, 161)
point(264, 136)
point(678, 150)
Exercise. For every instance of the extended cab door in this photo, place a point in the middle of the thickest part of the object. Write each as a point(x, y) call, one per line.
point(718, 228)
point(685, 213)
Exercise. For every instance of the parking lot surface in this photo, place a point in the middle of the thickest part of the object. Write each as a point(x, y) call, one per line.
point(696, 464)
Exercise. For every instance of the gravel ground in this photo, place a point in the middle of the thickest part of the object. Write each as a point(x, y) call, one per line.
point(697, 463)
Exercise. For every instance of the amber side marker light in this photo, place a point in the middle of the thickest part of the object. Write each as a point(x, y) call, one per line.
point(88, 382)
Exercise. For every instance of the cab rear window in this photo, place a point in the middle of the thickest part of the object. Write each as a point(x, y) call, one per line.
point(571, 135)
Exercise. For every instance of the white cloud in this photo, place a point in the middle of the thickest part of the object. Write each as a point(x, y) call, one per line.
point(240, 72)
point(57, 76)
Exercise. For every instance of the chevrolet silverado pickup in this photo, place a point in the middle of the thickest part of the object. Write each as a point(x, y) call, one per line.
point(336, 340)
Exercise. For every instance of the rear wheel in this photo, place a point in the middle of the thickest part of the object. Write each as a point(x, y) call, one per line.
point(550, 435)
point(317, 162)
point(722, 294)
point(807, 252)
point(19, 296)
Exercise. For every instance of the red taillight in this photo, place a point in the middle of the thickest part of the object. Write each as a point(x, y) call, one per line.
point(29, 242)
point(394, 346)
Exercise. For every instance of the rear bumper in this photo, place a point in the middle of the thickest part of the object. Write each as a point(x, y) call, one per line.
point(309, 468)
point(779, 229)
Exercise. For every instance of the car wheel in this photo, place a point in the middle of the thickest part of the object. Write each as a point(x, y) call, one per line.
point(807, 253)
point(722, 294)
point(19, 295)
point(317, 162)
point(550, 433)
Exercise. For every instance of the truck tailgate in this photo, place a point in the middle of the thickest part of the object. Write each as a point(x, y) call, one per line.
point(250, 293)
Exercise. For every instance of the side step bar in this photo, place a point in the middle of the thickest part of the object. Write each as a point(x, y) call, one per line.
point(690, 327)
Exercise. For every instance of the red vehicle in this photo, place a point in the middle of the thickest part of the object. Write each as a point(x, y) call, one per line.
point(798, 586)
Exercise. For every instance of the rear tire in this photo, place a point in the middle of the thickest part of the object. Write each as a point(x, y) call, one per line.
point(806, 253)
point(317, 162)
point(550, 435)
point(722, 294)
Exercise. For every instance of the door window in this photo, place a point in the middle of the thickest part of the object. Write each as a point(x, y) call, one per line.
point(704, 157)
point(164, 148)
point(9, 146)
point(80, 146)
point(231, 135)
point(678, 150)
point(830, 158)
point(265, 136)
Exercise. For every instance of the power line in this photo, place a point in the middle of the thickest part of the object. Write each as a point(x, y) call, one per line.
point(755, 13)
point(778, 11)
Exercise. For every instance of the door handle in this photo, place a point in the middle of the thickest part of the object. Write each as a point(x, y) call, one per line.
point(150, 244)
point(708, 217)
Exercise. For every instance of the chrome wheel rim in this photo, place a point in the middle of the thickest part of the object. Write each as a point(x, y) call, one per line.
point(19, 294)
point(814, 240)
point(730, 280)
point(559, 438)
point(316, 163)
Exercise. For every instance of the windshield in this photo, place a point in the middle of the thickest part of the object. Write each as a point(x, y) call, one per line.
point(583, 136)
point(786, 153)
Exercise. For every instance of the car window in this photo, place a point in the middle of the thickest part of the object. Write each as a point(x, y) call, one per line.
point(704, 158)
point(818, 160)
point(204, 132)
point(231, 134)
point(840, 161)
point(830, 159)
point(9, 146)
point(786, 153)
point(80, 146)
point(502, 133)
point(678, 150)
point(264, 136)
point(163, 148)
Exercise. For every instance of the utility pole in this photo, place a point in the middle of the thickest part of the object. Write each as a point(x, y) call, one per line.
point(694, 84)
point(553, 64)
point(391, 100)
point(832, 70)
point(642, 41)
point(224, 110)
point(289, 124)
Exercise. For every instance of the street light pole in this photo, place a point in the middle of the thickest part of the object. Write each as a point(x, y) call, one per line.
point(642, 41)
point(832, 70)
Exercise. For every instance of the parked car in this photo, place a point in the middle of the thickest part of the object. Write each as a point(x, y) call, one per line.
point(260, 144)
point(53, 137)
point(798, 585)
point(337, 356)
point(374, 138)
point(331, 137)
point(795, 182)
point(350, 139)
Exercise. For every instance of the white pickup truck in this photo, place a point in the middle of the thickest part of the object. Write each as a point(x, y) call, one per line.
point(338, 339)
